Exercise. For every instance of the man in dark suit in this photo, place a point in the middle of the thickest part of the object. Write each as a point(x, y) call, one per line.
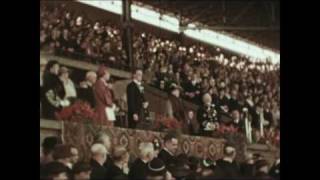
point(227, 167)
point(167, 154)
point(135, 98)
point(99, 154)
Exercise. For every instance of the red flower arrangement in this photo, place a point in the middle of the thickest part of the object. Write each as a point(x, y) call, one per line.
point(163, 122)
point(77, 112)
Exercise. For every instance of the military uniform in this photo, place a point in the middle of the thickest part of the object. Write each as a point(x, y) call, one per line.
point(207, 114)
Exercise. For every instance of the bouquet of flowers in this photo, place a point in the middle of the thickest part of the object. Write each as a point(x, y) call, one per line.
point(167, 123)
point(78, 112)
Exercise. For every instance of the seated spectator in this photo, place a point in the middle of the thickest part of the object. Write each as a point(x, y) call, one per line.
point(195, 168)
point(68, 84)
point(139, 167)
point(262, 170)
point(207, 116)
point(75, 155)
point(181, 170)
point(157, 170)
point(247, 168)
point(227, 167)
point(167, 154)
point(47, 149)
point(55, 171)
point(62, 153)
point(105, 140)
point(99, 154)
point(119, 168)
point(275, 170)
point(207, 168)
point(81, 171)
point(86, 88)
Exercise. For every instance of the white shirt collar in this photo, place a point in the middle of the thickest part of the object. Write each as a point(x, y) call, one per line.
point(137, 82)
point(168, 151)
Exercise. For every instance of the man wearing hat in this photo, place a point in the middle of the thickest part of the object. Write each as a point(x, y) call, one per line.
point(175, 107)
point(103, 97)
point(81, 171)
point(156, 170)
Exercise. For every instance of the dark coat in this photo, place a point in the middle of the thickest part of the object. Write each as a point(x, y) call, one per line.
point(135, 100)
point(167, 158)
point(138, 170)
point(98, 172)
point(103, 99)
point(275, 171)
point(226, 169)
point(263, 176)
point(86, 94)
point(115, 173)
point(247, 170)
point(52, 83)
point(234, 105)
point(108, 163)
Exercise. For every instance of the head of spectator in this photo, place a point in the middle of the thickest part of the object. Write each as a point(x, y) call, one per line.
point(48, 148)
point(249, 158)
point(235, 114)
point(81, 171)
point(206, 99)
point(156, 170)
point(175, 90)
point(262, 166)
point(43, 64)
point(53, 67)
point(103, 73)
point(171, 143)
point(105, 140)
point(64, 73)
point(55, 171)
point(146, 151)
point(75, 155)
point(99, 153)
point(91, 77)
point(137, 75)
point(257, 157)
point(229, 152)
point(62, 153)
point(120, 157)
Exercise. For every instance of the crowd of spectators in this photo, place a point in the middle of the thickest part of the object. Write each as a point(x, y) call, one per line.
point(60, 161)
point(238, 87)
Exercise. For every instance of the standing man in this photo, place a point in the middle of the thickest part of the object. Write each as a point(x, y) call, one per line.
point(135, 97)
